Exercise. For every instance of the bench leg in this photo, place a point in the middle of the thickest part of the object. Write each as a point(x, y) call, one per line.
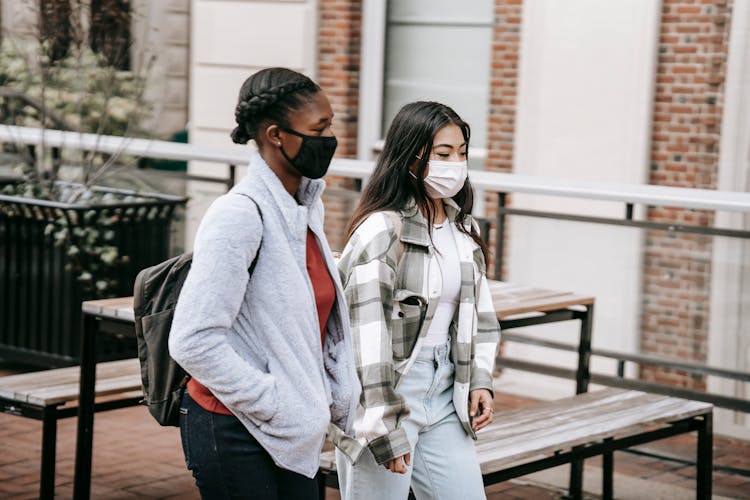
point(607, 470)
point(704, 462)
point(49, 451)
point(575, 489)
point(85, 430)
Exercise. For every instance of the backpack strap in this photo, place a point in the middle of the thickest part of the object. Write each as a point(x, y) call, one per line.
point(395, 218)
point(255, 259)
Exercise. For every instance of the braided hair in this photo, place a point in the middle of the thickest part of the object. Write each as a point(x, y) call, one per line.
point(269, 96)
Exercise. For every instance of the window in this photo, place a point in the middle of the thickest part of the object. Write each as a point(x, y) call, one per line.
point(55, 27)
point(109, 34)
point(425, 50)
point(439, 50)
point(61, 24)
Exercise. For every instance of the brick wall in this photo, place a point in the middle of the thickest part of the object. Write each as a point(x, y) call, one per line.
point(340, 23)
point(685, 137)
point(506, 44)
point(685, 152)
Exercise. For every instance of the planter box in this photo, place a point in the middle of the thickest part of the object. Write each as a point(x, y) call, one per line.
point(40, 300)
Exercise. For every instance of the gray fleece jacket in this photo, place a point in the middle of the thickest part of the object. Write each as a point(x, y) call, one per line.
point(254, 341)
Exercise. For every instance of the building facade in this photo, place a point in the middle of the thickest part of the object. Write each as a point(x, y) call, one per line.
point(638, 91)
point(643, 91)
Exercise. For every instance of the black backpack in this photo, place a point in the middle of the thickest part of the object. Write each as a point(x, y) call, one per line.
point(155, 296)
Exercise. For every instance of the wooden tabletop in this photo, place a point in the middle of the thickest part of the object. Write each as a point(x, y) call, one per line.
point(510, 299)
point(119, 308)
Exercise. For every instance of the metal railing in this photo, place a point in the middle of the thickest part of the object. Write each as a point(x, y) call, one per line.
point(503, 184)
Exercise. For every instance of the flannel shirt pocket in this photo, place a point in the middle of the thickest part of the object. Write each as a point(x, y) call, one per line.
point(406, 322)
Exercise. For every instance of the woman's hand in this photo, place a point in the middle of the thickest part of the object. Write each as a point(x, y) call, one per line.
point(398, 464)
point(480, 408)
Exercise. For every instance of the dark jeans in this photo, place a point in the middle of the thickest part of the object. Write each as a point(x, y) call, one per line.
point(227, 462)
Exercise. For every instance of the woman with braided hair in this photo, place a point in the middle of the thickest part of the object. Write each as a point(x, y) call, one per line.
point(261, 324)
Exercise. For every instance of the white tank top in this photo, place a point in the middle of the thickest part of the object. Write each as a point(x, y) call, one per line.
point(444, 240)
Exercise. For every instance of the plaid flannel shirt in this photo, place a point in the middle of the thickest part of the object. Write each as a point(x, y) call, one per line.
point(391, 303)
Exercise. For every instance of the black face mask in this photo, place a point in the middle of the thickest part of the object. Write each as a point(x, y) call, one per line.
point(314, 155)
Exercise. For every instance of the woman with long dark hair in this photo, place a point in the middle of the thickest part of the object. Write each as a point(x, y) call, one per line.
point(424, 327)
point(261, 323)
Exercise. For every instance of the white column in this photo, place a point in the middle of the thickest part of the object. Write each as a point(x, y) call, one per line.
point(372, 60)
point(231, 40)
point(586, 85)
point(729, 331)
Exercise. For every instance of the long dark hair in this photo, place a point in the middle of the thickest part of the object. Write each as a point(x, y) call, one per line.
point(392, 187)
point(268, 96)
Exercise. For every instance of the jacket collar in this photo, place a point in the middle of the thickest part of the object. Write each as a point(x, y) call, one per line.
point(414, 226)
point(309, 192)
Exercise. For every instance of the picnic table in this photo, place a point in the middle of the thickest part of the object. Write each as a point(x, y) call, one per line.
point(519, 306)
point(516, 306)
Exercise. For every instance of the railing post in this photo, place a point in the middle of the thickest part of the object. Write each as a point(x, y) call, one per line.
point(232, 176)
point(500, 235)
point(629, 211)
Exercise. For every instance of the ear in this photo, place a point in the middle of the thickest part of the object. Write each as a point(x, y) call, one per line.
point(414, 167)
point(271, 135)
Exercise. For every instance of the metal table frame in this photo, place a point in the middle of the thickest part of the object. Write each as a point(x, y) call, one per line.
point(96, 322)
point(582, 373)
point(93, 324)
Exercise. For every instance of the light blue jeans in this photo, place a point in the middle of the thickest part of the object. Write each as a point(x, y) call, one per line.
point(444, 462)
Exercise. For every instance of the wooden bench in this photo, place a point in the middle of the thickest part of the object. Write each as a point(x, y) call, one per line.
point(46, 395)
point(567, 430)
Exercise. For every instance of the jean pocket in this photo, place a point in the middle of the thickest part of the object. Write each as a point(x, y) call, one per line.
point(185, 434)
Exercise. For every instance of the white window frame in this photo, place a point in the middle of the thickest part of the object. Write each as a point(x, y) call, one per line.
point(371, 80)
point(372, 61)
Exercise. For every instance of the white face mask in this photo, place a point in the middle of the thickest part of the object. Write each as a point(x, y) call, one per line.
point(445, 178)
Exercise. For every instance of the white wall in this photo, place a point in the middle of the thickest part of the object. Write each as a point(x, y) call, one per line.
point(230, 40)
point(729, 330)
point(162, 30)
point(586, 77)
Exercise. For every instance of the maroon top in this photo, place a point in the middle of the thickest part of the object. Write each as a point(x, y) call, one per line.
point(325, 296)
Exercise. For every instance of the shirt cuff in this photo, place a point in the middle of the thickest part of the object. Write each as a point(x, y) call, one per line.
point(390, 446)
point(482, 382)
